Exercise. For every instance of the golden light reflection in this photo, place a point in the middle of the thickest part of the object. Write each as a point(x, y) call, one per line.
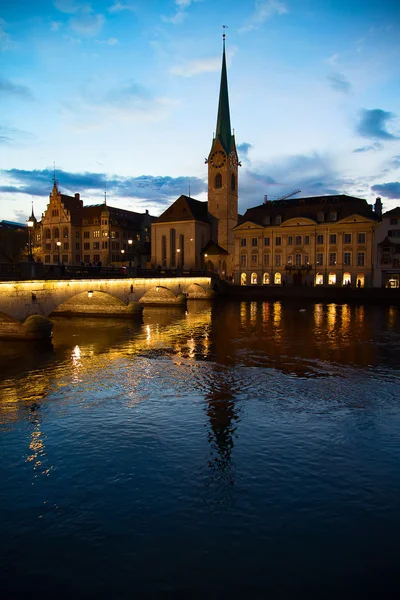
point(392, 317)
point(346, 319)
point(277, 316)
point(265, 311)
point(318, 315)
point(331, 315)
point(243, 314)
point(253, 312)
point(148, 333)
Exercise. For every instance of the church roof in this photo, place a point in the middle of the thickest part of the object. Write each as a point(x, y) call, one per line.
point(185, 209)
point(213, 249)
point(223, 131)
point(395, 212)
point(309, 207)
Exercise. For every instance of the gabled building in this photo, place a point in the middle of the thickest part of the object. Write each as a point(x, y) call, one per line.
point(387, 271)
point(194, 235)
point(323, 240)
point(73, 233)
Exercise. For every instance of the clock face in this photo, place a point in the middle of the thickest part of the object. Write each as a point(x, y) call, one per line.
point(233, 160)
point(218, 159)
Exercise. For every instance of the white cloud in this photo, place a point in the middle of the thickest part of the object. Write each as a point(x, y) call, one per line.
point(211, 64)
point(180, 14)
point(87, 24)
point(119, 7)
point(332, 60)
point(263, 10)
point(111, 41)
point(70, 6)
point(55, 25)
point(6, 43)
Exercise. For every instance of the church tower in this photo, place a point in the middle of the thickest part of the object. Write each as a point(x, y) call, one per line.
point(223, 169)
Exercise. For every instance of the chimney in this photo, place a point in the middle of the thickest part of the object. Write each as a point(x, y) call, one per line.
point(77, 196)
point(265, 199)
point(378, 207)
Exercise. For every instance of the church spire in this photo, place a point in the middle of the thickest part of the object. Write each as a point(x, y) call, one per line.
point(223, 132)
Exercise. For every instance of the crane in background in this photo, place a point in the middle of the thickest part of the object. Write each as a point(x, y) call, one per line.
point(283, 197)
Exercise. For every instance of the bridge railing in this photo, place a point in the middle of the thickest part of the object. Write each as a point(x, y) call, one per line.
point(35, 270)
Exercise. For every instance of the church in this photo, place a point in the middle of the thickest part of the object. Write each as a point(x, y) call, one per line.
point(193, 235)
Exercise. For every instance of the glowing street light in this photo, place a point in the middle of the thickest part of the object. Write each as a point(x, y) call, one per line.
point(178, 251)
point(58, 248)
point(122, 252)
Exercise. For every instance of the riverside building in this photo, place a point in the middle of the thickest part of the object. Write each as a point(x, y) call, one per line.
point(322, 241)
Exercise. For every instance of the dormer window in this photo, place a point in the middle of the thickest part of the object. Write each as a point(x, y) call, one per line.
point(333, 216)
point(278, 219)
point(321, 216)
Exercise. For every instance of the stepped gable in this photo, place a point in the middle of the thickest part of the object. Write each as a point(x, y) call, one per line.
point(185, 209)
point(310, 208)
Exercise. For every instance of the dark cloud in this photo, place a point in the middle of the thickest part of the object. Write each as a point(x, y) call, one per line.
point(395, 162)
point(339, 83)
point(9, 135)
point(388, 190)
point(8, 88)
point(158, 190)
point(375, 146)
point(243, 149)
point(373, 124)
point(314, 175)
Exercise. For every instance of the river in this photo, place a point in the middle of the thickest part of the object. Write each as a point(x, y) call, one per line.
point(236, 449)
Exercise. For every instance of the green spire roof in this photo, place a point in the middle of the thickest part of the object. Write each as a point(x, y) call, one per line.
point(223, 132)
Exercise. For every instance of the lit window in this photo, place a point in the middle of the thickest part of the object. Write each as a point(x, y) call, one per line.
point(254, 278)
point(266, 279)
point(278, 279)
point(332, 279)
point(319, 279)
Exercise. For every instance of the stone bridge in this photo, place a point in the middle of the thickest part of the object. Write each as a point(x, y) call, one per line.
point(25, 305)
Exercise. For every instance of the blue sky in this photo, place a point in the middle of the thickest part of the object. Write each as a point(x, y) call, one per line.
point(123, 94)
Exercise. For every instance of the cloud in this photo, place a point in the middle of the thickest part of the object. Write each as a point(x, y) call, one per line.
point(338, 82)
point(8, 88)
point(111, 41)
point(181, 14)
point(71, 6)
point(263, 10)
point(395, 162)
point(6, 42)
point(118, 7)
point(243, 148)
point(194, 67)
point(332, 60)
point(11, 135)
point(375, 146)
point(313, 174)
point(87, 24)
point(373, 124)
point(55, 25)
point(388, 190)
point(159, 190)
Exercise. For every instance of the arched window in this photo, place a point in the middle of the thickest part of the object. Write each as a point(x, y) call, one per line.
point(243, 279)
point(65, 232)
point(182, 250)
point(164, 250)
point(47, 234)
point(332, 279)
point(172, 246)
point(218, 181)
point(56, 232)
point(254, 278)
point(360, 280)
point(319, 279)
point(278, 279)
point(233, 183)
point(266, 279)
point(346, 279)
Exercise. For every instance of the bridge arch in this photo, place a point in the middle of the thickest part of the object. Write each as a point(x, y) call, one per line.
point(161, 295)
point(195, 290)
point(91, 302)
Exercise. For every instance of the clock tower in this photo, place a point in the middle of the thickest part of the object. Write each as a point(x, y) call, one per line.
point(223, 170)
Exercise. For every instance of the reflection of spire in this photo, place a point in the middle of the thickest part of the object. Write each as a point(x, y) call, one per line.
point(222, 415)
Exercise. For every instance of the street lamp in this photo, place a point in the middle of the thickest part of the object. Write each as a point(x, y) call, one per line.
point(30, 224)
point(58, 248)
point(178, 251)
point(130, 242)
point(122, 252)
point(205, 256)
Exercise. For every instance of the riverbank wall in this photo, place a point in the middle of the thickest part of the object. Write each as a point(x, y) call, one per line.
point(316, 294)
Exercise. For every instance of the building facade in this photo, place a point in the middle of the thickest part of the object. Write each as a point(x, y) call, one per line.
point(324, 240)
point(73, 234)
point(387, 271)
point(195, 235)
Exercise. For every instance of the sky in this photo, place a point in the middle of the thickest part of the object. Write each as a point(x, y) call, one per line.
point(122, 96)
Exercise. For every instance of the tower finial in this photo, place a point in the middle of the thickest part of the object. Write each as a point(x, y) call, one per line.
point(105, 193)
point(224, 27)
point(189, 188)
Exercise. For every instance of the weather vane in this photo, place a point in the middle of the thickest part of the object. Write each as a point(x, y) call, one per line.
point(224, 34)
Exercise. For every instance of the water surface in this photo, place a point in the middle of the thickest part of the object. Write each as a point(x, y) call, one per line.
point(246, 449)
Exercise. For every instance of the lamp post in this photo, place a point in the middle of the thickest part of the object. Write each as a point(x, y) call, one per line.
point(30, 224)
point(178, 251)
point(58, 248)
point(130, 242)
point(205, 256)
point(122, 252)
